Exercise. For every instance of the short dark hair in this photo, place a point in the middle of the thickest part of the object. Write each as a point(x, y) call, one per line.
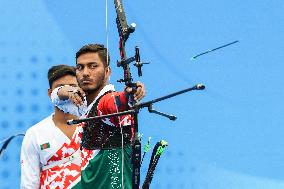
point(58, 71)
point(95, 48)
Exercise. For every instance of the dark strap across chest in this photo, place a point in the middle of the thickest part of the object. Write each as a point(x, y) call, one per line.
point(99, 135)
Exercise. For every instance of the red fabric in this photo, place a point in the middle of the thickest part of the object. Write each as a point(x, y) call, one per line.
point(107, 106)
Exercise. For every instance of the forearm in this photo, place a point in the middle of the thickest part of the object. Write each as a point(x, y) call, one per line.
point(67, 106)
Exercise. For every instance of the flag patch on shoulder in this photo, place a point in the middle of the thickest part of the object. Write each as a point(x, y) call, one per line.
point(44, 146)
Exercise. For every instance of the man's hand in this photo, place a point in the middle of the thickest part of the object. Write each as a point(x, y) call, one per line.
point(139, 93)
point(75, 94)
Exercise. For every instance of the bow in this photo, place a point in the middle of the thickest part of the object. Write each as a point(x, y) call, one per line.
point(124, 31)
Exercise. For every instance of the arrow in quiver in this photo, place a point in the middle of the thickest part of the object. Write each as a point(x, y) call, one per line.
point(156, 154)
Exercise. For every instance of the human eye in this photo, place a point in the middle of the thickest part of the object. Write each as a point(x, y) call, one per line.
point(79, 67)
point(93, 66)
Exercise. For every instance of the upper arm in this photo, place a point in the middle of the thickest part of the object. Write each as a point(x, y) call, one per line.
point(113, 103)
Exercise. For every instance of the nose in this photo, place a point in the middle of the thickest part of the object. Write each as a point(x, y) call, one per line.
point(85, 71)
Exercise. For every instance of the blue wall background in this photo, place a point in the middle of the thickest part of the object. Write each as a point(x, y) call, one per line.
point(227, 137)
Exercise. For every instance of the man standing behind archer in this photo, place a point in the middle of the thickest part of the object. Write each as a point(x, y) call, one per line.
point(50, 154)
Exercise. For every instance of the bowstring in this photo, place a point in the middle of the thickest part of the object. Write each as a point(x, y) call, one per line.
point(122, 144)
point(121, 130)
point(107, 30)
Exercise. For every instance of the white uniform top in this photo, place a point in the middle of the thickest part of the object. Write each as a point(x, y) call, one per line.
point(55, 143)
point(43, 145)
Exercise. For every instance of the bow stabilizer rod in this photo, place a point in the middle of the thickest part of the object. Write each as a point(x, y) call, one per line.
point(136, 108)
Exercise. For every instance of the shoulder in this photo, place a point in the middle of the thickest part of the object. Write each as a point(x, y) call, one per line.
point(112, 102)
point(111, 96)
point(40, 127)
